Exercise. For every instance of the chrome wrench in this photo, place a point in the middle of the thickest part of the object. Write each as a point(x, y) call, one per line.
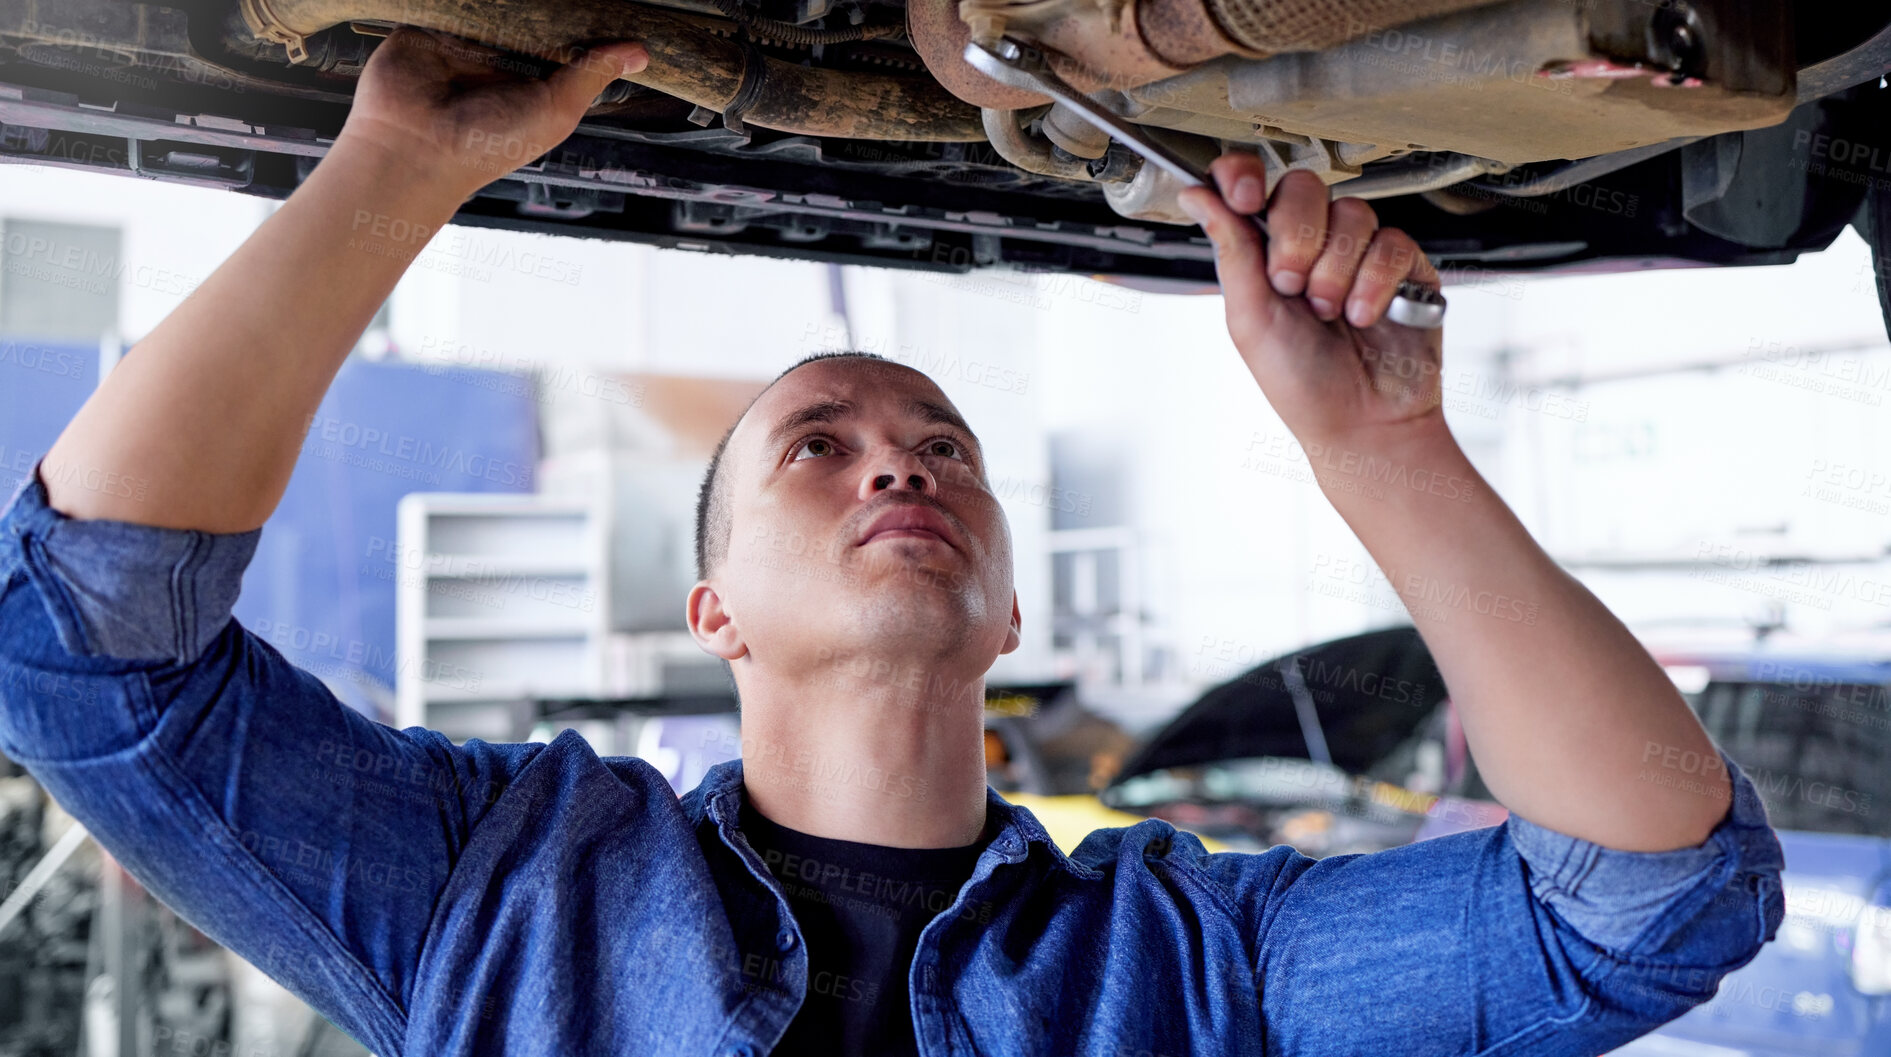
point(1019, 65)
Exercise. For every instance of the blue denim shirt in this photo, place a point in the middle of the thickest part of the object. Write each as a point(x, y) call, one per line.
point(535, 899)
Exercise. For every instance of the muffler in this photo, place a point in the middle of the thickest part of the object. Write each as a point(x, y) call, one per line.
point(1119, 44)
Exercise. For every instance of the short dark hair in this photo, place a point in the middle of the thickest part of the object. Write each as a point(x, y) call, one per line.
point(712, 501)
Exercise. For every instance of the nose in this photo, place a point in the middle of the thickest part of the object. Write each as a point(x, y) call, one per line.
point(897, 468)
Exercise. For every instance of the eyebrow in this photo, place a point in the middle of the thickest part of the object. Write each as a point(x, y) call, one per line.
point(827, 411)
point(939, 415)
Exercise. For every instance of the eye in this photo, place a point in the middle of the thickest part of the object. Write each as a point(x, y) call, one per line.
point(946, 447)
point(817, 444)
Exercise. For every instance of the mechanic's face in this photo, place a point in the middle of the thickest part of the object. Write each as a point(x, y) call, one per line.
point(808, 584)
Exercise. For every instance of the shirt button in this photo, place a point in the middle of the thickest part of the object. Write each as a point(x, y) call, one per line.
point(744, 1051)
point(784, 940)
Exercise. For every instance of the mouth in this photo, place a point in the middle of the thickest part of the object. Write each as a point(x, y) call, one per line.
point(906, 533)
point(909, 521)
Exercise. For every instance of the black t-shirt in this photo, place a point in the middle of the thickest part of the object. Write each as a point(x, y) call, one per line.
point(861, 908)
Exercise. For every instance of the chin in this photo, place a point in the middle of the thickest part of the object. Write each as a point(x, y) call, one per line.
point(919, 584)
point(909, 566)
point(931, 612)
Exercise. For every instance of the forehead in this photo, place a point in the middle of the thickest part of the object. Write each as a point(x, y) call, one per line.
point(873, 386)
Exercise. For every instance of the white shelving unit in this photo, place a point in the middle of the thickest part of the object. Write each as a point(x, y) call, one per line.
point(499, 599)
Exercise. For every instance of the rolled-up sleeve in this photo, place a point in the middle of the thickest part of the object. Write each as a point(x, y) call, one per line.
point(1513, 939)
point(91, 605)
point(295, 831)
point(1708, 905)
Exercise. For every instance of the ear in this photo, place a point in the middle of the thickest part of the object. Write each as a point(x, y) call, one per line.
point(1012, 637)
point(711, 624)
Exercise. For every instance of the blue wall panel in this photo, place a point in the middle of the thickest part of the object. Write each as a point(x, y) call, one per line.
point(322, 586)
point(42, 385)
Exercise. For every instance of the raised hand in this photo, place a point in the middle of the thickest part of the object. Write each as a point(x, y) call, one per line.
point(461, 108)
point(1306, 305)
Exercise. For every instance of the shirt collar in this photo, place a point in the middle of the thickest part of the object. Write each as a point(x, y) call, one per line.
point(722, 794)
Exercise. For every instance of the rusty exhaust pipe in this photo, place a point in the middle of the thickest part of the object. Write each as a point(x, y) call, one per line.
point(1125, 44)
point(686, 61)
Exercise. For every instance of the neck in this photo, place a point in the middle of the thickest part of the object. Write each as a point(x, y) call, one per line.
point(879, 759)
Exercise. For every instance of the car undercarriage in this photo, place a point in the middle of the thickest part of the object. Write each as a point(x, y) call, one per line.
point(1517, 135)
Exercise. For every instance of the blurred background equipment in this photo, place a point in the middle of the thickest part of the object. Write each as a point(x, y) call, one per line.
point(1342, 747)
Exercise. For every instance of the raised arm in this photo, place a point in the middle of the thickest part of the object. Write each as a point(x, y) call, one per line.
point(1637, 867)
point(200, 426)
point(1573, 724)
point(295, 831)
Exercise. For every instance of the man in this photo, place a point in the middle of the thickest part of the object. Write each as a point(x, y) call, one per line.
point(852, 885)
